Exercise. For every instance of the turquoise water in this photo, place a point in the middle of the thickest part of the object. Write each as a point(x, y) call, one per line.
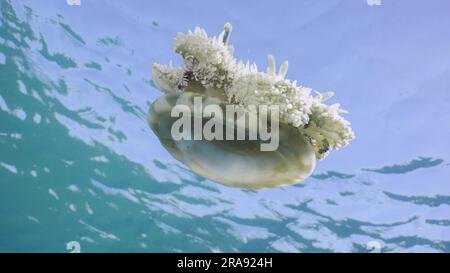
point(79, 163)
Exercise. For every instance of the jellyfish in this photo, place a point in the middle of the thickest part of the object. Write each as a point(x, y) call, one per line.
point(307, 128)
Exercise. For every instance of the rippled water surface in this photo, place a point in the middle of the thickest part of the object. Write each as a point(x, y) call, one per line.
point(79, 163)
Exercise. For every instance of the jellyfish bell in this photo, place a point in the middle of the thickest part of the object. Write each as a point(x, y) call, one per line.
point(229, 160)
point(307, 129)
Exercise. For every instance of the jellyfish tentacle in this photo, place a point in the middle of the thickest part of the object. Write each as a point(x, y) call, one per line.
point(283, 69)
point(271, 65)
point(327, 95)
point(227, 28)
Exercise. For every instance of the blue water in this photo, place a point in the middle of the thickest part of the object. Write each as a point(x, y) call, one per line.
point(79, 163)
